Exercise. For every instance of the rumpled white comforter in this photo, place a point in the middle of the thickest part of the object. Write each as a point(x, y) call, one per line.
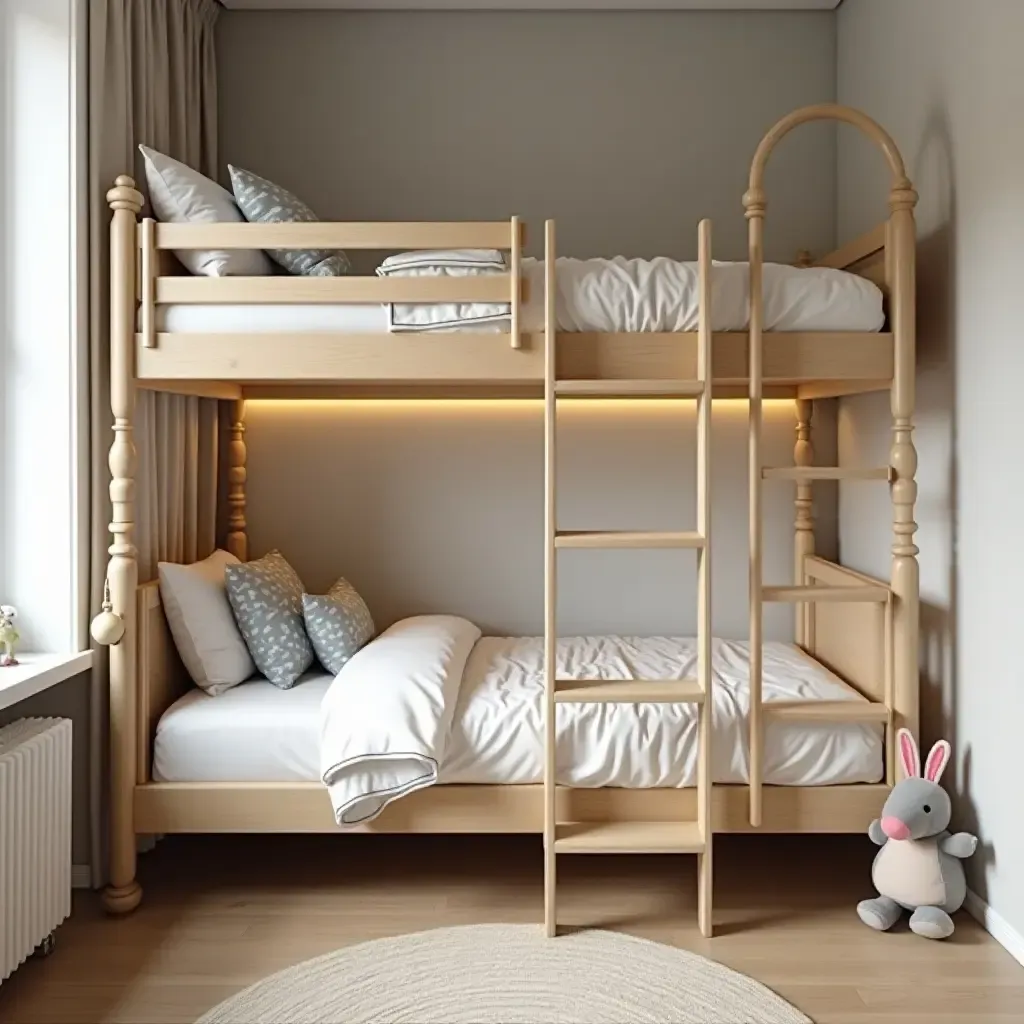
point(642, 295)
point(386, 718)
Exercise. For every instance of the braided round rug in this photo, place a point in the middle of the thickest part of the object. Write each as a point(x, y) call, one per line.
point(507, 974)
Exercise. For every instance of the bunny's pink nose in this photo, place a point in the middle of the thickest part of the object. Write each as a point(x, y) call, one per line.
point(895, 829)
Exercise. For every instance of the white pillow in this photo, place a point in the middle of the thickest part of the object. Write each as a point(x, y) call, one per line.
point(180, 195)
point(199, 615)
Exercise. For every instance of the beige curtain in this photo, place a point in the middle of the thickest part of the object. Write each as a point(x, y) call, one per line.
point(152, 79)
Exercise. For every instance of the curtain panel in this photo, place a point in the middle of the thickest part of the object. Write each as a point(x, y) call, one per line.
point(152, 80)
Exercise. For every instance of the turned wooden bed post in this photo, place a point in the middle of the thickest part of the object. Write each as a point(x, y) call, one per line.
point(901, 237)
point(900, 275)
point(803, 525)
point(124, 892)
point(237, 540)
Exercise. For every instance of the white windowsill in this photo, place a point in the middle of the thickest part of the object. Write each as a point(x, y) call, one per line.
point(37, 672)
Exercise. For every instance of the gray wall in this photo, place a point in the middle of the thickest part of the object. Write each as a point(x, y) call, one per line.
point(627, 128)
point(437, 507)
point(69, 699)
point(944, 76)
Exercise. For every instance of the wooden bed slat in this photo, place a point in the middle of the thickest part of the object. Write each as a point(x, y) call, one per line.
point(495, 288)
point(789, 359)
point(168, 807)
point(343, 235)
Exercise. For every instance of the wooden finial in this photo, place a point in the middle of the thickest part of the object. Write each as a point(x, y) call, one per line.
point(755, 202)
point(902, 196)
point(125, 196)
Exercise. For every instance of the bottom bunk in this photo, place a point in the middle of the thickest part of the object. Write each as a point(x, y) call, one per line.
point(257, 732)
point(248, 760)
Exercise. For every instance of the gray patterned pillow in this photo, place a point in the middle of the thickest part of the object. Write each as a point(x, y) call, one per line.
point(263, 202)
point(338, 623)
point(266, 597)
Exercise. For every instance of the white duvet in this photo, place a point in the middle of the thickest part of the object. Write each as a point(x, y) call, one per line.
point(430, 701)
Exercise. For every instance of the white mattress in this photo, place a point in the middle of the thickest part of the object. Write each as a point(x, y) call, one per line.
point(609, 295)
point(259, 733)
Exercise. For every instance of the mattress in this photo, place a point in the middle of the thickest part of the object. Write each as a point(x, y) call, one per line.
point(607, 295)
point(258, 733)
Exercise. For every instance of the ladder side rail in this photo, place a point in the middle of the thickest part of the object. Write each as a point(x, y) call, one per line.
point(550, 580)
point(754, 201)
point(705, 781)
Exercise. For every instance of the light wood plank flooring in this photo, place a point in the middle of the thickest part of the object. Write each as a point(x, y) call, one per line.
point(221, 912)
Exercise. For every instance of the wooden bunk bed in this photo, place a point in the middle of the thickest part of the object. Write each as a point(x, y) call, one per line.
point(862, 629)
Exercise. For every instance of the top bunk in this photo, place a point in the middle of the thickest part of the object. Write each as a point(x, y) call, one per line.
point(459, 311)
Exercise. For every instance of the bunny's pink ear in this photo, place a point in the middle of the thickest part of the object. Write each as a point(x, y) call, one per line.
point(938, 758)
point(909, 757)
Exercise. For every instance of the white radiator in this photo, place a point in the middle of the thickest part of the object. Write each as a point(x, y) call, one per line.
point(35, 834)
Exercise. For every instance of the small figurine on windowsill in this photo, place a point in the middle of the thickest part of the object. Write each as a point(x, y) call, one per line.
point(8, 635)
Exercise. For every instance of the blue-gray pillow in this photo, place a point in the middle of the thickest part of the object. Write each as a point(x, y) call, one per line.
point(338, 623)
point(263, 202)
point(266, 598)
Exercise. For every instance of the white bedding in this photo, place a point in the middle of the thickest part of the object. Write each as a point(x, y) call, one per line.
point(256, 732)
point(594, 295)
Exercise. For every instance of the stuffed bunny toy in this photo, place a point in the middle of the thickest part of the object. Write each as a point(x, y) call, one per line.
point(918, 868)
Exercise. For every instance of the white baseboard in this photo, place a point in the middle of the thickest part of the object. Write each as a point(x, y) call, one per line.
point(996, 925)
point(81, 876)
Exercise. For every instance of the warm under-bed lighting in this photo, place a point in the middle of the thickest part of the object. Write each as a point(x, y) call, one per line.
point(498, 404)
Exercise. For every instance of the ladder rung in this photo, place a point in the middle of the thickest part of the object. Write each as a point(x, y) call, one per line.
point(626, 388)
point(810, 595)
point(628, 691)
point(825, 473)
point(827, 711)
point(629, 837)
point(626, 539)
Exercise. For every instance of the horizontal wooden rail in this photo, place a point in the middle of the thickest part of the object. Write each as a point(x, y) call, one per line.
point(810, 595)
point(810, 473)
point(629, 388)
point(340, 235)
point(302, 290)
point(827, 711)
point(629, 837)
point(613, 539)
point(628, 691)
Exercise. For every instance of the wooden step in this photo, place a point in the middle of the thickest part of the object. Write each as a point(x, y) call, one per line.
point(628, 691)
point(826, 711)
point(810, 595)
point(800, 473)
point(629, 388)
point(627, 539)
point(629, 837)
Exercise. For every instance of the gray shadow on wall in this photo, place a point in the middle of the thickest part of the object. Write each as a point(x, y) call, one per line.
point(937, 397)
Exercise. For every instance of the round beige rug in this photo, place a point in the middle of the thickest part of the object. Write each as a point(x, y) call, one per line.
point(507, 974)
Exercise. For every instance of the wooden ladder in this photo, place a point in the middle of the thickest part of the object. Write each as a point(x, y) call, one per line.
point(630, 836)
point(802, 595)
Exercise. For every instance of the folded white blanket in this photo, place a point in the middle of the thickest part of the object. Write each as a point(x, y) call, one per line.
point(386, 718)
point(446, 316)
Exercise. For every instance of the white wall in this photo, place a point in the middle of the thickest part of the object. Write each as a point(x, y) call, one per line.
point(627, 128)
point(944, 76)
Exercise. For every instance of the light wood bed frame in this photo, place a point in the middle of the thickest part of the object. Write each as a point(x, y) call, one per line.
point(863, 629)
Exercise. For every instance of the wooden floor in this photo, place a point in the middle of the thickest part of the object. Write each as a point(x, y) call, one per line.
point(221, 912)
